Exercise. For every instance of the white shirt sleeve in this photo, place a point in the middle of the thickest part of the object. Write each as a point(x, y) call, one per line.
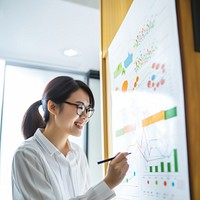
point(31, 180)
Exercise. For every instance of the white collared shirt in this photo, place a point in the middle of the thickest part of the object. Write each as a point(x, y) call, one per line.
point(41, 172)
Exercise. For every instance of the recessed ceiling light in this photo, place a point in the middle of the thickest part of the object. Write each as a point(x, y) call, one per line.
point(70, 52)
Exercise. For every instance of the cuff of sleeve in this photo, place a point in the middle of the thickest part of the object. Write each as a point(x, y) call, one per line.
point(102, 191)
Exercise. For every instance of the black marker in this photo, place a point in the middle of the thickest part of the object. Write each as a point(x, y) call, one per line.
point(108, 159)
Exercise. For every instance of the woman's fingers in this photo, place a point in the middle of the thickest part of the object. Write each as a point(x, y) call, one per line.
point(117, 170)
point(120, 156)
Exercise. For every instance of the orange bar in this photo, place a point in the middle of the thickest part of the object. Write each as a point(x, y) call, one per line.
point(153, 118)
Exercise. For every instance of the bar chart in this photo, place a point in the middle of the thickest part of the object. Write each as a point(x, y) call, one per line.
point(167, 166)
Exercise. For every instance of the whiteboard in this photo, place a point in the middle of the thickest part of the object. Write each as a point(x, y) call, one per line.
point(147, 103)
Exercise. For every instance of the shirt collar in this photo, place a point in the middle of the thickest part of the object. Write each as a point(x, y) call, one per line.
point(46, 144)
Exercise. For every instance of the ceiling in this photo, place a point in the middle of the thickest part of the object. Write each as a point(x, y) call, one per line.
point(37, 32)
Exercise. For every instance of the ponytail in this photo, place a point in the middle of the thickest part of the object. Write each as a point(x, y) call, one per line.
point(32, 120)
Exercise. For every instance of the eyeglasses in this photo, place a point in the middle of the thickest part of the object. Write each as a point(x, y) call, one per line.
point(81, 109)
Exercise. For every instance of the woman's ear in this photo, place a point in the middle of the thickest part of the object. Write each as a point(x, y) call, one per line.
point(52, 107)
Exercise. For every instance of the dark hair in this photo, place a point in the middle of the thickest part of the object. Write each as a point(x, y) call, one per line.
point(58, 90)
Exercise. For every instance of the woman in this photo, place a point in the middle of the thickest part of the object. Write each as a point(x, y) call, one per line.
point(47, 165)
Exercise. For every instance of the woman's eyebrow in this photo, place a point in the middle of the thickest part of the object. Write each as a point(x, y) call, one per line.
point(80, 102)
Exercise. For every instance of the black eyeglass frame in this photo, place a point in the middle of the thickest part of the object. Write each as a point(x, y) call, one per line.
point(87, 110)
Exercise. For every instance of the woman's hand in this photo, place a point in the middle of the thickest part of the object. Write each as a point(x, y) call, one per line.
point(117, 170)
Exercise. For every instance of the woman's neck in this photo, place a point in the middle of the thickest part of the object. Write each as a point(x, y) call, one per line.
point(58, 138)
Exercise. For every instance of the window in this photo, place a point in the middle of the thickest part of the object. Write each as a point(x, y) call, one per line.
point(23, 86)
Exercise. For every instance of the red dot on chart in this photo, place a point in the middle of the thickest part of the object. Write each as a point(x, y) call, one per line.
point(163, 66)
point(149, 84)
point(153, 65)
point(157, 66)
point(162, 81)
point(165, 183)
